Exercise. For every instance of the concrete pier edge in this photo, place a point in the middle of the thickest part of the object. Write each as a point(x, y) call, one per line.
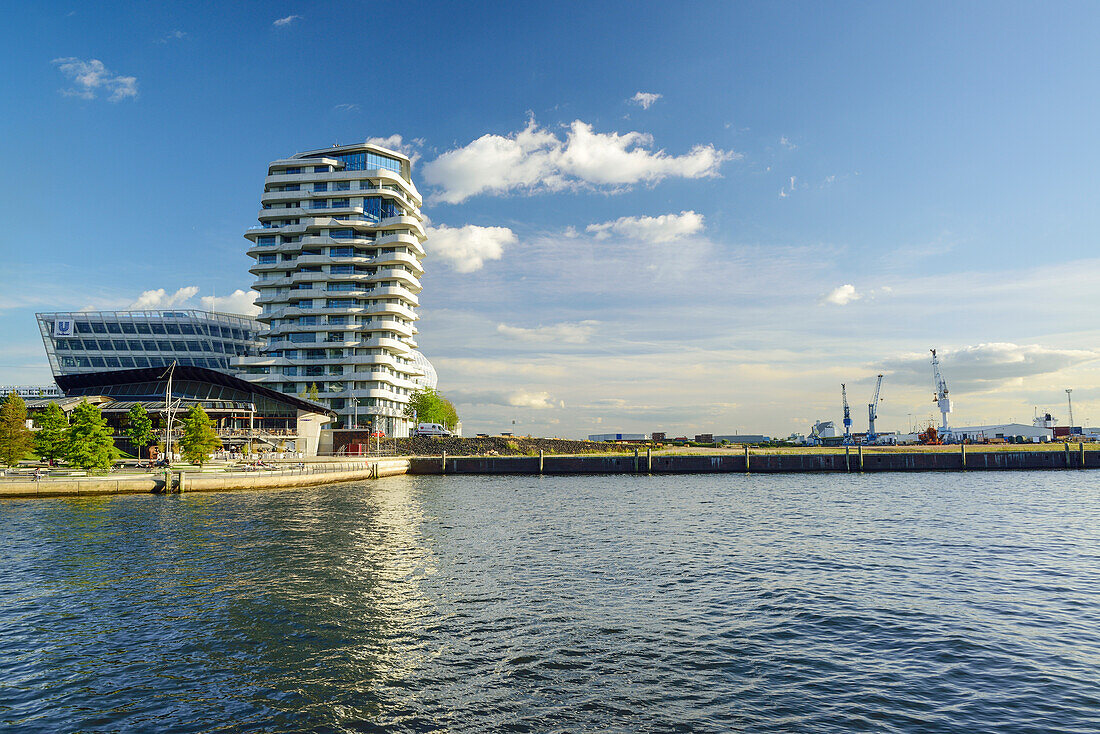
point(309, 475)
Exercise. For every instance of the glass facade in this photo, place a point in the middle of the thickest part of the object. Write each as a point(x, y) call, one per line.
point(83, 341)
point(334, 252)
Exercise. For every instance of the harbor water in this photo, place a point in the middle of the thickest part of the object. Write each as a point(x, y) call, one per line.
point(928, 602)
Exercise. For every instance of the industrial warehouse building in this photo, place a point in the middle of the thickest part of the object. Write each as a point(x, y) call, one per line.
point(1007, 431)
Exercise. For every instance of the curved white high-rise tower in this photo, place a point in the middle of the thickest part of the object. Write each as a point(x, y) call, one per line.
point(338, 263)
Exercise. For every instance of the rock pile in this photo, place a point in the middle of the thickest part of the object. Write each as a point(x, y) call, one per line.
point(502, 446)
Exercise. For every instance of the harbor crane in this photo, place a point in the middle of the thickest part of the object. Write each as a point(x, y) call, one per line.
point(847, 414)
point(941, 399)
point(872, 412)
point(1069, 399)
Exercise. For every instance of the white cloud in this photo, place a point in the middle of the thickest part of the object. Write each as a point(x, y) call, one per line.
point(986, 366)
point(514, 399)
point(287, 20)
point(842, 295)
point(399, 144)
point(645, 99)
point(565, 333)
point(786, 143)
point(663, 228)
point(239, 301)
point(467, 248)
point(159, 298)
point(786, 191)
point(535, 159)
point(176, 35)
point(346, 107)
point(91, 77)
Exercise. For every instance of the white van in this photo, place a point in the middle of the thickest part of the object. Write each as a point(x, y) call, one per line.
point(431, 429)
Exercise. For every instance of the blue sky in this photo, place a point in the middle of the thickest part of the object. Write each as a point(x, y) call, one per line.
point(646, 216)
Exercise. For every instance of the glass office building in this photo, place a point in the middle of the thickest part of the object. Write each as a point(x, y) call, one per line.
point(338, 252)
point(97, 341)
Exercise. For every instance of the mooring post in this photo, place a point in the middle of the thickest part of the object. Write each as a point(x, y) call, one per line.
point(649, 460)
point(635, 461)
point(1069, 459)
point(1081, 453)
point(167, 481)
point(962, 452)
point(860, 447)
point(540, 461)
point(180, 487)
point(848, 459)
point(746, 459)
point(443, 463)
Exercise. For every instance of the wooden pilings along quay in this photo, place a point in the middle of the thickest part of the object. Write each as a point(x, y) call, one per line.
point(853, 460)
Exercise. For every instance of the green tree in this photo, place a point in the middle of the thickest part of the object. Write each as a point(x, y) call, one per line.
point(139, 428)
point(91, 444)
point(429, 406)
point(15, 437)
point(199, 439)
point(313, 394)
point(52, 433)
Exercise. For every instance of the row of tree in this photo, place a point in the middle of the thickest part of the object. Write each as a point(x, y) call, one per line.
point(86, 441)
point(429, 406)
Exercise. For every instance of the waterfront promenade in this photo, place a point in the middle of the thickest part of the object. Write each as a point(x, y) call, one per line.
point(291, 474)
point(742, 460)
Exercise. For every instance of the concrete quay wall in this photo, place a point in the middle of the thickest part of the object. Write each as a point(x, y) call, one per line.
point(310, 474)
point(758, 463)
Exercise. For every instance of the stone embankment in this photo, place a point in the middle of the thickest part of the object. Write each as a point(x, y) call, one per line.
point(291, 475)
point(749, 462)
point(502, 446)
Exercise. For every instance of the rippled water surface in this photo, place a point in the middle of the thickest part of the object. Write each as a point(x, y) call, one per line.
point(908, 603)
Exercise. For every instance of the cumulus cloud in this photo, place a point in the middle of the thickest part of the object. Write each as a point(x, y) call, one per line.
point(91, 77)
point(786, 143)
point(286, 21)
point(664, 228)
point(566, 333)
point(467, 248)
point(535, 159)
point(645, 100)
point(399, 144)
point(986, 366)
point(513, 399)
point(239, 301)
point(842, 295)
point(160, 298)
